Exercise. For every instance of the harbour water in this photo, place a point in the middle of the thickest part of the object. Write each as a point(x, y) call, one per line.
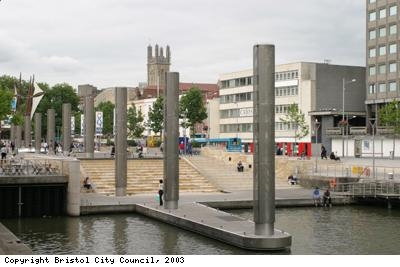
point(354, 230)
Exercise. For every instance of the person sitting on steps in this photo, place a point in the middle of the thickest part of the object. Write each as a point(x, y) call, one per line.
point(333, 157)
point(87, 184)
point(240, 166)
point(327, 201)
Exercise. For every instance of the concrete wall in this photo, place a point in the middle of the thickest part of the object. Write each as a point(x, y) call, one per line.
point(330, 87)
point(383, 147)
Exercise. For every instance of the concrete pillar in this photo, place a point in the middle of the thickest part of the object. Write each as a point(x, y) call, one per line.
point(66, 126)
point(120, 141)
point(27, 131)
point(38, 132)
point(171, 142)
point(89, 124)
point(51, 130)
point(18, 136)
point(72, 169)
point(264, 139)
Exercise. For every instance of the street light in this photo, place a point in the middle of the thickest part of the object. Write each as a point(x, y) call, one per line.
point(372, 122)
point(344, 89)
point(317, 124)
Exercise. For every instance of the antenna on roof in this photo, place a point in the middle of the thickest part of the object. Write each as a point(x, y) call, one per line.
point(327, 61)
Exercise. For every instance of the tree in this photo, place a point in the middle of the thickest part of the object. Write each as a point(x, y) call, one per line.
point(295, 119)
point(192, 108)
point(389, 115)
point(156, 116)
point(53, 98)
point(135, 122)
point(108, 117)
point(6, 96)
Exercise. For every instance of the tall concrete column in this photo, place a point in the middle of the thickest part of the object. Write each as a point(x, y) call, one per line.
point(72, 169)
point(264, 139)
point(120, 141)
point(38, 132)
point(18, 136)
point(66, 126)
point(171, 142)
point(89, 124)
point(51, 130)
point(27, 131)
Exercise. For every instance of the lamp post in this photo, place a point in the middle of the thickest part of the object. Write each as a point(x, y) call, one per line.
point(317, 124)
point(372, 122)
point(343, 90)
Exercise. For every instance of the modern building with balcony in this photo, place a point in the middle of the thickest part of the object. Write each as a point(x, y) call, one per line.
point(323, 92)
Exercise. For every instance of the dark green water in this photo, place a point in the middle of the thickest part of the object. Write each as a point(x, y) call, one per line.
point(339, 230)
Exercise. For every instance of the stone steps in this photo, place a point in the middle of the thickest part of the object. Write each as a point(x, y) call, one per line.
point(143, 176)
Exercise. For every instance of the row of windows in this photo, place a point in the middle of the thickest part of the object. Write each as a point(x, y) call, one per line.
point(281, 126)
point(242, 97)
point(382, 13)
point(391, 86)
point(391, 67)
point(245, 81)
point(287, 75)
point(281, 109)
point(286, 91)
point(383, 50)
point(383, 31)
point(234, 128)
point(229, 113)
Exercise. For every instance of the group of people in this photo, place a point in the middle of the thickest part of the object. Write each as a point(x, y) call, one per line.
point(185, 148)
point(332, 155)
point(326, 198)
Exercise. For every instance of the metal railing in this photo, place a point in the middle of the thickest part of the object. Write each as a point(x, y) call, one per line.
point(31, 167)
point(372, 189)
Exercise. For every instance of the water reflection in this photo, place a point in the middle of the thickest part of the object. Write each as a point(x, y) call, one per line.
point(339, 230)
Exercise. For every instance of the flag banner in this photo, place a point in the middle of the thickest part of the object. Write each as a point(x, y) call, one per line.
point(99, 122)
point(82, 125)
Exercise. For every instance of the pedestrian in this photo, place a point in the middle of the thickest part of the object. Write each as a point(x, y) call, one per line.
point(160, 191)
point(112, 151)
point(323, 152)
point(327, 202)
point(316, 197)
point(3, 153)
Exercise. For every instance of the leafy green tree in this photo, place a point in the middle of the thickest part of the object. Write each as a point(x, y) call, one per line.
point(108, 117)
point(135, 122)
point(192, 108)
point(389, 115)
point(6, 96)
point(295, 119)
point(53, 98)
point(156, 116)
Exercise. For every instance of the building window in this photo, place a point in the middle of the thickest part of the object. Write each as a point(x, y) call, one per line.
point(382, 50)
point(372, 16)
point(382, 69)
point(372, 1)
point(371, 89)
point(392, 10)
point(382, 87)
point(392, 29)
point(382, 13)
point(392, 67)
point(392, 48)
point(392, 86)
point(372, 70)
point(382, 32)
point(372, 34)
point(372, 52)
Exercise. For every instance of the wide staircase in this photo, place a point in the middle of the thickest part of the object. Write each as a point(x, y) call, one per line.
point(143, 176)
point(225, 177)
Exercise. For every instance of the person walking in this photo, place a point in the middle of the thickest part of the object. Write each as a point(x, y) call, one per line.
point(323, 152)
point(161, 191)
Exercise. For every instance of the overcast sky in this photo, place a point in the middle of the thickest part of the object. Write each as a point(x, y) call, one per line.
point(103, 42)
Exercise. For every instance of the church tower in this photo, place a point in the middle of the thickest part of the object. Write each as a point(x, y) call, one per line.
point(157, 66)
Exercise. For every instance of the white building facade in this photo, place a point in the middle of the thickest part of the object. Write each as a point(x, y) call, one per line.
point(313, 87)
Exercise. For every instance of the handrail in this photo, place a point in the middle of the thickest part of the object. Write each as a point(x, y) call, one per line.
point(372, 188)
